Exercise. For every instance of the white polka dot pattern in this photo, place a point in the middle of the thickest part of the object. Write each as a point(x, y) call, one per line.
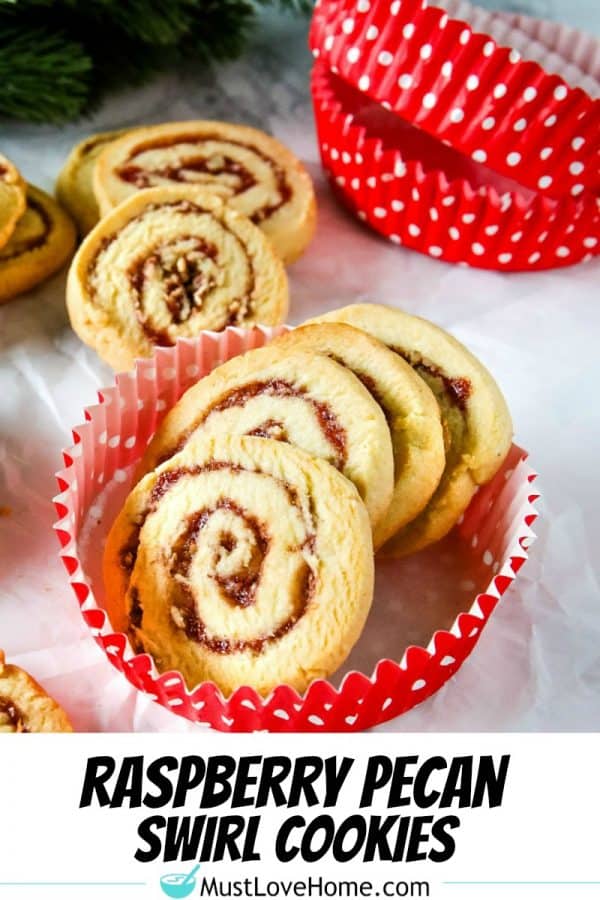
point(456, 84)
point(418, 209)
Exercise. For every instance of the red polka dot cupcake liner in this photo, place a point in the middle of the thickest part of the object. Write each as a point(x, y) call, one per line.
point(496, 532)
point(428, 197)
point(446, 140)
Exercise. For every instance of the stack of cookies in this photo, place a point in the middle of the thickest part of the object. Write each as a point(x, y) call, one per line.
point(189, 226)
point(244, 554)
point(36, 235)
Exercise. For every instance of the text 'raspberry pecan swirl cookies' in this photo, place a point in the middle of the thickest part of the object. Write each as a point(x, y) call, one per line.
point(243, 562)
point(255, 173)
point(40, 245)
point(300, 398)
point(12, 198)
point(168, 263)
point(410, 409)
point(477, 423)
point(25, 706)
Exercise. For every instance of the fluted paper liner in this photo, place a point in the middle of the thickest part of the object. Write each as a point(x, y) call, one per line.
point(96, 478)
point(474, 82)
point(430, 198)
point(459, 85)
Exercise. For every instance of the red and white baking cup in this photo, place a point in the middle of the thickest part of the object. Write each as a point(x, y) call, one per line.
point(97, 476)
point(448, 141)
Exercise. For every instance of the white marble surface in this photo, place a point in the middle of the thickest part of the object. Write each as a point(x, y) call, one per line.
point(537, 666)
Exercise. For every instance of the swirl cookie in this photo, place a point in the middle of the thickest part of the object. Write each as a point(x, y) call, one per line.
point(74, 186)
point(477, 424)
point(410, 409)
point(253, 172)
point(300, 398)
point(12, 198)
point(243, 562)
point(168, 263)
point(25, 706)
point(41, 243)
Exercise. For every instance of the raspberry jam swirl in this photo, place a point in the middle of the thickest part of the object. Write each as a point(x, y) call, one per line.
point(274, 427)
point(458, 390)
point(453, 394)
point(172, 273)
point(229, 167)
point(217, 566)
point(11, 718)
point(33, 234)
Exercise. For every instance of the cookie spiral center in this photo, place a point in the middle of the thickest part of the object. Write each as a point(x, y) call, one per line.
point(183, 272)
point(227, 543)
point(171, 268)
point(225, 579)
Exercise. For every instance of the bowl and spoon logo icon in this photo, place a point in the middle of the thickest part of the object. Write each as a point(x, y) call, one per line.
point(179, 885)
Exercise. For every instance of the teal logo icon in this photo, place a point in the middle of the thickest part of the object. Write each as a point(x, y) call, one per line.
point(179, 885)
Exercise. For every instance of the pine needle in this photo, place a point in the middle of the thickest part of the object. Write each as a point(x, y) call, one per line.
point(59, 57)
point(45, 77)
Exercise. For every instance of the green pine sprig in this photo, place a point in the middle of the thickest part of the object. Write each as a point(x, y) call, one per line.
point(59, 57)
point(45, 75)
